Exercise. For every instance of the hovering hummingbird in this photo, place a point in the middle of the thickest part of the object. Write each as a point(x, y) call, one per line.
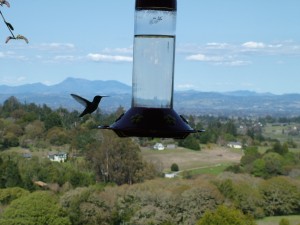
point(89, 106)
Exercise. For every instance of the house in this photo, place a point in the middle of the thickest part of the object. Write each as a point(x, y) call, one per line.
point(170, 175)
point(58, 157)
point(171, 146)
point(159, 146)
point(235, 145)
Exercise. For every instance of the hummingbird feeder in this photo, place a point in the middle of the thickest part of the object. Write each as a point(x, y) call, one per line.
point(151, 113)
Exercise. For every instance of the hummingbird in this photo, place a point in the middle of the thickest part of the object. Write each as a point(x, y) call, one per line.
point(90, 107)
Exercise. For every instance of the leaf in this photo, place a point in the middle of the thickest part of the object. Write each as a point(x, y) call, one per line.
point(9, 26)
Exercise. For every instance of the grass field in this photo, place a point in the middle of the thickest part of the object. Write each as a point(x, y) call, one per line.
point(213, 169)
point(275, 220)
point(212, 161)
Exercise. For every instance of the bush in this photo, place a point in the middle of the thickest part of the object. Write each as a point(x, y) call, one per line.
point(174, 167)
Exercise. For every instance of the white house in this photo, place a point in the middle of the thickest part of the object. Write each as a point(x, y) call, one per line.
point(58, 157)
point(170, 175)
point(235, 145)
point(159, 146)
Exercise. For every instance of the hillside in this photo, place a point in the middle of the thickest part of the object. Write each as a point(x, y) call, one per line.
point(238, 103)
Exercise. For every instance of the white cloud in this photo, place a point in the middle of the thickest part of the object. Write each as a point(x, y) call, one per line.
point(216, 45)
point(253, 45)
point(12, 55)
point(108, 58)
point(202, 57)
point(56, 46)
point(229, 54)
point(118, 50)
point(237, 63)
point(12, 80)
point(219, 60)
point(65, 58)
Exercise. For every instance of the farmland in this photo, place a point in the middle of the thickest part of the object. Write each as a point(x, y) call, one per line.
point(215, 158)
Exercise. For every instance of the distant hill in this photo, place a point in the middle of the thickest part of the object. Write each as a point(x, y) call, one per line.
point(237, 103)
point(70, 85)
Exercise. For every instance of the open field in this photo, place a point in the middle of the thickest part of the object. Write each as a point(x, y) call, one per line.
point(274, 220)
point(207, 160)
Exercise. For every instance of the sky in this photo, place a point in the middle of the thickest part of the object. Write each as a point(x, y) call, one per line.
point(221, 45)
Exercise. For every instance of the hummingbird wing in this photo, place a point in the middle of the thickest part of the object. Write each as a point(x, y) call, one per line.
point(81, 100)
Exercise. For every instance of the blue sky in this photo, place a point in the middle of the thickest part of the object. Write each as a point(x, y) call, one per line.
point(221, 45)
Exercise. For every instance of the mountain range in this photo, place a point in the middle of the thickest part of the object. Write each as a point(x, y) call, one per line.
point(237, 103)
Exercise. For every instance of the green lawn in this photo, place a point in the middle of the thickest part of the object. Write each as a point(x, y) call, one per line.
point(274, 220)
point(215, 169)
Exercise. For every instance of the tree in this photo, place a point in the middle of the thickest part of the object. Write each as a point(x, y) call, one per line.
point(273, 164)
point(53, 120)
point(280, 149)
point(9, 194)
point(190, 142)
point(238, 193)
point(118, 160)
point(10, 174)
point(197, 200)
point(38, 208)
point(281, 196)
point(225, 216)
point(259, 168)
point(251, 154)
point(174, 167)
point(57, 136)
point(10, 105)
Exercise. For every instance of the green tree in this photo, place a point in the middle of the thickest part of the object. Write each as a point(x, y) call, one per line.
point(174, 167)
point(9, 194)
point(38, 208)
point(251, 154)
point(259, 168)
point(238, 194)
point(281, 196)
point(57, 136)
point(225, 216)
point(273, 164)
point(190, 142)
point(10, 105)
point(89, 205)
point(10, 174)
point(52, 120)
point(118, 160)
point(280, 149)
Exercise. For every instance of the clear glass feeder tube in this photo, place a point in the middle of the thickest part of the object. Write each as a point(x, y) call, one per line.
point(154, 55)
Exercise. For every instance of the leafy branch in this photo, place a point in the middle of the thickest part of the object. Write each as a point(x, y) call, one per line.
point(9, 26)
